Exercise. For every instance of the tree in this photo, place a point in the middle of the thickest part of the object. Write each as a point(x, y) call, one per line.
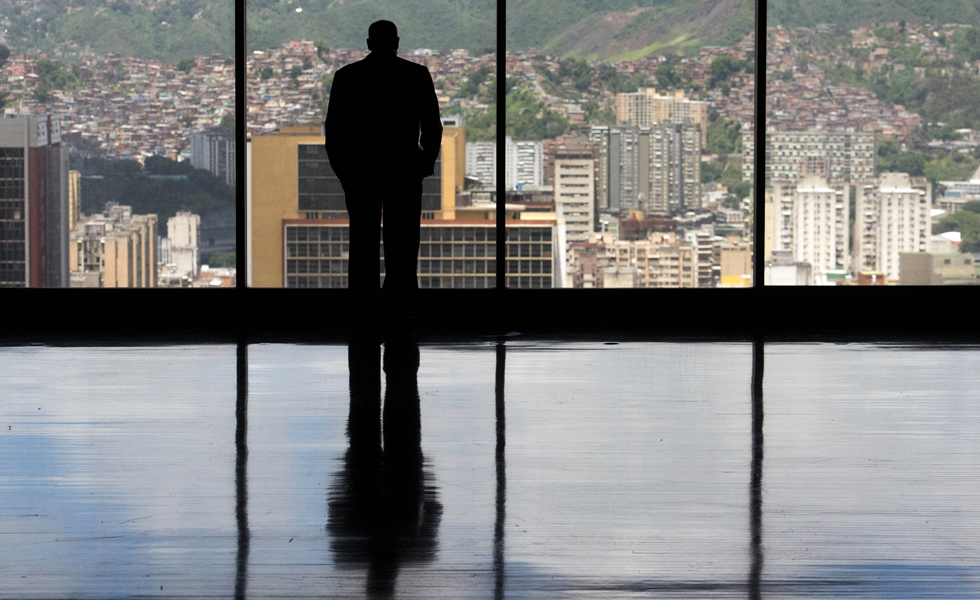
point(266, 73)
point(967, 223)
point(4, 54)
point(722, 68)
point(227, 124)
point(321, 49)
point(41, 93)
point(307, 63)
point(185, 65)
point(667, 76)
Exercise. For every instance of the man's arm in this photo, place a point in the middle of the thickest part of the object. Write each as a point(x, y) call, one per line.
point(338, 116)
point(430, 123)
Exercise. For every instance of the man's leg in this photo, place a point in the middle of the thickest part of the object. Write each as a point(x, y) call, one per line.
point(364, 258)
point(402, 212)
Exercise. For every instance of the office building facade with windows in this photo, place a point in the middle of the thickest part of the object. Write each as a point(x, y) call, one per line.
point(452, 254)
point(34, 206)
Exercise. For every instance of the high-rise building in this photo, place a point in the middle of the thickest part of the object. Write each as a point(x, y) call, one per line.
point(74, 198)
point(670, 167)
point(837, 156)
point(652, 169)
point(645, 108)
point(811, 222)
point(481, 162)
point(34, 207)
point(619, 167)
point(291, 179)
point(298, 227)
point(114, 249)
point(892, 216)
point(453, 164)
point(525, 163)
point(575, 198)
point(214, 151)
point(183, 244)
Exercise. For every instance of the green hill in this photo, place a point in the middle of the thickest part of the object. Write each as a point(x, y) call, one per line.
point(173, 29)
point(668, 27)
point(435, 24)
point(851, 14)
point(150, 29)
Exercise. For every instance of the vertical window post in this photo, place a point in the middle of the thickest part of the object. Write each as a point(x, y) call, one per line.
point(501, 130)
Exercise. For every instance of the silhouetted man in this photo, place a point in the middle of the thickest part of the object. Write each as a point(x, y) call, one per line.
point(383, 134)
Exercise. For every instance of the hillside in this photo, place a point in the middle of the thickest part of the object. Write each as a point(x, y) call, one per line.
point(165, 30)
point(851, 14)
point(668, 28)
point(435, 24)
point(173, 29)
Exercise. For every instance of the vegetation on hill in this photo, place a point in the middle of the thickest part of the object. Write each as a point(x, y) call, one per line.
point(792, 13)
point(435, 24)
point(150, 29)
point(625, 29)
point(967, 222)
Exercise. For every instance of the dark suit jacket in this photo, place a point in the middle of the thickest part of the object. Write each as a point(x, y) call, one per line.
point(381, 109)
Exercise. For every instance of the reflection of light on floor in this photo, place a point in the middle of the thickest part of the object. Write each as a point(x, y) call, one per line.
point(540, 469)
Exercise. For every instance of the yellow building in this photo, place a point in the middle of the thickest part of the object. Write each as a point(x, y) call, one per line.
point(736, 264)
point(290, 179)
point(74, 198)
point(114, 249)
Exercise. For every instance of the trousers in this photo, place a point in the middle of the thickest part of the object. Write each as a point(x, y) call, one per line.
point(400, 205)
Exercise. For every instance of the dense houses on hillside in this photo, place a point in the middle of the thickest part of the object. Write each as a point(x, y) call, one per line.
point(127, 107)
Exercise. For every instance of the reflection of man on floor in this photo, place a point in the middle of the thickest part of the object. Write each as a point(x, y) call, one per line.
point(384, 511)
point(383, 134)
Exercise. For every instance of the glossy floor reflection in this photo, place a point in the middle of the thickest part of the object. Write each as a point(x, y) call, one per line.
point(490, 470)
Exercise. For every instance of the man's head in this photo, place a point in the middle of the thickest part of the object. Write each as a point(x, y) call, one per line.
point(382, 36)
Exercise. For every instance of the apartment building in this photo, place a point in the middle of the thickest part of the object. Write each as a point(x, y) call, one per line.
point(811, 222)
point(656, 168)
point(574, 198)
point(645, 107)
point(892, 216)
point(525, 163)
point(180, 250)
point(660, 261)
point(837, 156)
point(114, 249)
point(214, 151)
point(481, 162)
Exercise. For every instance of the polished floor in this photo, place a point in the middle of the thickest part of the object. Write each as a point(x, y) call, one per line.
point(481, 469)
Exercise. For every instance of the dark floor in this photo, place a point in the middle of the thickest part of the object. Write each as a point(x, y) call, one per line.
point(542, 469)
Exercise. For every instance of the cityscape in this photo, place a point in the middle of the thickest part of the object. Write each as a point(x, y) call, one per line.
point(632, 173)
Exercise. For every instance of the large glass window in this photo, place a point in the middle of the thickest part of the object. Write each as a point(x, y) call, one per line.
point(117, 146)
point(293, 189)
point(872, 165)
point(631, 140)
